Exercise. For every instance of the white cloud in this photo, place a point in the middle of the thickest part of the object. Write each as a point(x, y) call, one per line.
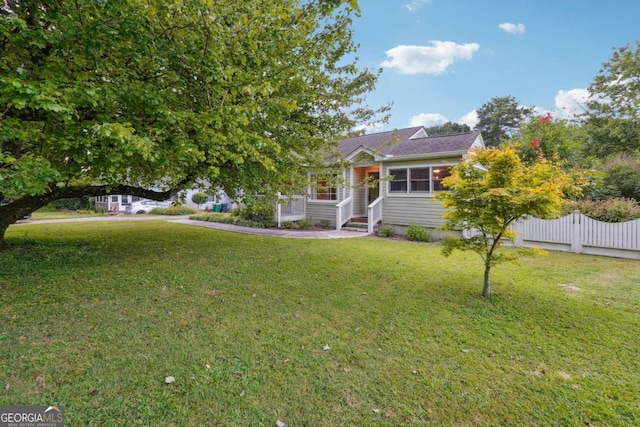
point(434, 59)
point(470, 119)
point(371, 127)
point(512, 28)
point(428, 119)
point(416, 4)
point(570, 103)
point(436, 119)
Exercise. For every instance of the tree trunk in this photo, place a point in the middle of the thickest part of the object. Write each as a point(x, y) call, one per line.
point(3, 229)
point(14, 210)
point(487, 281)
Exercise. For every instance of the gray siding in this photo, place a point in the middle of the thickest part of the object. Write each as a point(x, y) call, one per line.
point(425, 211)
point(322, 212)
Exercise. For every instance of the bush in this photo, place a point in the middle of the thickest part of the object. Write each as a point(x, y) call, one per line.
point(204, 217)
point(174, 210)
point(417, 233)
point(325, 223)
point(228, 219)
point(100, 211)
point(386, 231)
point(609, 210)
point(260, 211)
point(199, 198)
point(303, 224)
point(622, 173)
point(85, 211)
point(72, 204)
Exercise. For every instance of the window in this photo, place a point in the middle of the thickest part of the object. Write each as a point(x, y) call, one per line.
point(135, 199)
point(324, 190)
point(439, 173)
point(419, 180)
point(425, 180)
point(114, 199)
point(399, 182)
point(101, 199)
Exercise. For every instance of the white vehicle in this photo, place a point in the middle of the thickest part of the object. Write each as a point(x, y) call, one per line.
point(145, 206)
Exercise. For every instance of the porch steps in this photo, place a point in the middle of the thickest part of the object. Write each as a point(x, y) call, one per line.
point(357, 224)
point(359, 220)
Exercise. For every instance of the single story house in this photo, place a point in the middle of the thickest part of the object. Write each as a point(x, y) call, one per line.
point(116, 202)
point(392, 178)
point(120, 202)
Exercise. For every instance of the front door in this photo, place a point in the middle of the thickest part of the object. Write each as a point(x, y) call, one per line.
point(373, 190)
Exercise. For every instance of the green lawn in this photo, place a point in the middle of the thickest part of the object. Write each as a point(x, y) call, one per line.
point(59, 214)
point(94, 316)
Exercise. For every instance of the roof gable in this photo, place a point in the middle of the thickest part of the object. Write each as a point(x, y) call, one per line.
point(410, 142)
point(361, 153)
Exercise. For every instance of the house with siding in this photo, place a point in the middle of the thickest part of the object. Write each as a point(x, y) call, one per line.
point(392, 178)
point(121, 203)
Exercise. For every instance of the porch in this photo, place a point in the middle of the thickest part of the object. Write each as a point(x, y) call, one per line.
point(356, 204)
point(345, 217)
point(292, 208)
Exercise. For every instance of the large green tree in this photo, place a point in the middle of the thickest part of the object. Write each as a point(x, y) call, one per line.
point(613, 111)
point(552, 138)
point(147, 97)
point(492, 190)
point(448, 128)
point(499, 118)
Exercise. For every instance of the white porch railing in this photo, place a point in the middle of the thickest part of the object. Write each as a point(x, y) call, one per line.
point(294, 209)
point(374, 213)
point(344, 212)
point(580, 234)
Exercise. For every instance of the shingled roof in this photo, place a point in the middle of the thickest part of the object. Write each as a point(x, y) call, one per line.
point(385, 143)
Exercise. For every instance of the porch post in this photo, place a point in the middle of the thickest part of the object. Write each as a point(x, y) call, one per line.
point(351, 179)
point(381, 183)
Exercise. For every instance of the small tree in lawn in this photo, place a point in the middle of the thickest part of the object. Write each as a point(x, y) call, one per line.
point(491, 190)
point(199, 199)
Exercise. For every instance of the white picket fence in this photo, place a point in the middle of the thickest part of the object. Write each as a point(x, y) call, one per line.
point(580, 234)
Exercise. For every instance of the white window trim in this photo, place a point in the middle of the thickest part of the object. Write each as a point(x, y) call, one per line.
point(312, 192)
point(408, 192)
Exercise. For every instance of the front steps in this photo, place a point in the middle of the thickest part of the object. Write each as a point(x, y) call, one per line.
point(360, 224)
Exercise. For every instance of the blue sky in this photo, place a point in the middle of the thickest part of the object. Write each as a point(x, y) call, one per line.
point(443, 59)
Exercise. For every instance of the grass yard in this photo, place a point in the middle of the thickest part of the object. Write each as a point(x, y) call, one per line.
point(60, 214)
point(94, 316)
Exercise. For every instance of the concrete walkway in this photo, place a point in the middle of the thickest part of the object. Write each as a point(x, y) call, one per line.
point(274, 232)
